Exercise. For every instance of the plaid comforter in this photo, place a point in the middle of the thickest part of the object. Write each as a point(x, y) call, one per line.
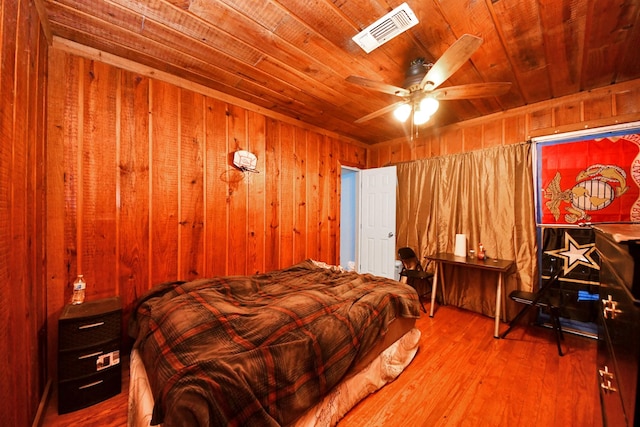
point(259, 350)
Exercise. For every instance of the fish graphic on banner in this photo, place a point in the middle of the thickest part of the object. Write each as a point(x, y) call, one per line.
point(595, 180)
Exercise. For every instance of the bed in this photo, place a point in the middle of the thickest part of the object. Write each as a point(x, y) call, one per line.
point(297, 346)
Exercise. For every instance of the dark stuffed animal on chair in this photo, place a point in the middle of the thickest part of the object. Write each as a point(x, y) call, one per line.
point(414, 273)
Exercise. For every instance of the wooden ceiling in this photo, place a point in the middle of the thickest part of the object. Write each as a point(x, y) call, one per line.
point(293, 56)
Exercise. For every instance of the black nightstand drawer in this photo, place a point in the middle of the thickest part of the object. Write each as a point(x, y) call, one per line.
point(89, 331)
point(86, 391)
point(89, 342)
point(87, 361)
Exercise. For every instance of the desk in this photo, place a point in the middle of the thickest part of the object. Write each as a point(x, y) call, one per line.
point(500, 266)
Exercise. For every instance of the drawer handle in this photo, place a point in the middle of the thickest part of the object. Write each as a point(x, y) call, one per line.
point(610, 309)
point(605, 380)
point(607, 387)
point(90, 385)
point(92, 325)
point(87, 356)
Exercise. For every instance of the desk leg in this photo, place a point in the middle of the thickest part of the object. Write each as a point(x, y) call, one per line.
point(496, 330)
point(435, 288)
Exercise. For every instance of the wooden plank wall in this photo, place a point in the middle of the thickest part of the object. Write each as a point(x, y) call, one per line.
point(142, 189)
point(601, 107)
point(23, 52)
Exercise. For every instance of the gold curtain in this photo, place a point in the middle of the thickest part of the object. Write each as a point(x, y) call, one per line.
point(487, 195)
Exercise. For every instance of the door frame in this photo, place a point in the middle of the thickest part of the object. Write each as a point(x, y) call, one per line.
point(353, 221)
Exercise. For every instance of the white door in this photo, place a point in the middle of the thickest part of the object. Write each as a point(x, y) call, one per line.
point(377, 240)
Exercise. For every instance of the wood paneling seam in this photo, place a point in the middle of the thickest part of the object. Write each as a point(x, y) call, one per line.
point(79, 172)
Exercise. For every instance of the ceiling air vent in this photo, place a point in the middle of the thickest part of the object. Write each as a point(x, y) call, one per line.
point(384, 29)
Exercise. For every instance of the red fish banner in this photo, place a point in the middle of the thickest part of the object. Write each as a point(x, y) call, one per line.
point(590, 180)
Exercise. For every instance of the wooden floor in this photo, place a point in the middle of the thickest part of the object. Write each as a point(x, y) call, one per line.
point(461, 376)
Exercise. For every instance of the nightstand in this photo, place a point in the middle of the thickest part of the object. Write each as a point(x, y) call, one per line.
point(89, 339)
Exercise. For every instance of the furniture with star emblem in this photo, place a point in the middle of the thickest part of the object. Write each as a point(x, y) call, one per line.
point(572, 250)
point(619, 324)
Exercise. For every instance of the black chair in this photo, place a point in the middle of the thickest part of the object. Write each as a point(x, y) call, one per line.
point(414, 272)
point(544, 299)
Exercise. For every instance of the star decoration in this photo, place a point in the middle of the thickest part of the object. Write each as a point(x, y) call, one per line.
point(574, 254)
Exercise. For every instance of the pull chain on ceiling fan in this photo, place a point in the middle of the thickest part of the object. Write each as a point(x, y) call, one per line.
point(421, 93)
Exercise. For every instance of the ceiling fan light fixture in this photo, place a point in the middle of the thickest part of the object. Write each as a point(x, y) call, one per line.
point(402, 112)
point(420, 117)
point(429, 105)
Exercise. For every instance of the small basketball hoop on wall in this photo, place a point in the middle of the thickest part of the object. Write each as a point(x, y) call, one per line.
point(245, 161)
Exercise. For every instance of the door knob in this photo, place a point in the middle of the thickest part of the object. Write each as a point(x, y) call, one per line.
point(390, 234)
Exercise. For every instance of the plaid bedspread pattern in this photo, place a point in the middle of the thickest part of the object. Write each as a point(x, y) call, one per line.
point(259, 350)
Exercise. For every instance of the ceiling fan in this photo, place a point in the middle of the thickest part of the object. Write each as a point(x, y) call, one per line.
point(421, 93)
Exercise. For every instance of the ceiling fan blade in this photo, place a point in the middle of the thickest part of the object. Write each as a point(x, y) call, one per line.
point(450, 61)
point(470, 91)
point(379, 86)
point(380, 112)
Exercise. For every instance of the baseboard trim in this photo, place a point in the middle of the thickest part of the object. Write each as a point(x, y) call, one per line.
point(42, 407)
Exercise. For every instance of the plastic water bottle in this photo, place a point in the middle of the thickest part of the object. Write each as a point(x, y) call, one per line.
point(79, 285)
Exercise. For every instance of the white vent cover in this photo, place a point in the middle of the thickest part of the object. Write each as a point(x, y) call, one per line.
point(384, 29)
